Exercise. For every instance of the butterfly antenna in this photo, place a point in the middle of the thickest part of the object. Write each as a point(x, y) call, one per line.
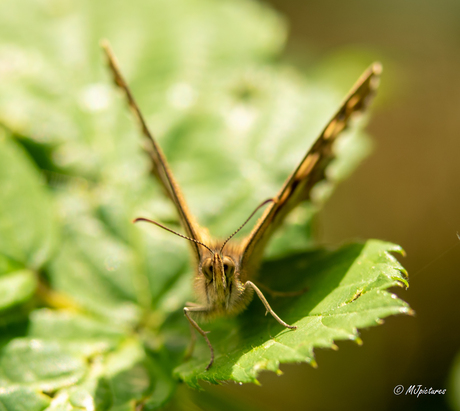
point(171, 231)
point(270, 200)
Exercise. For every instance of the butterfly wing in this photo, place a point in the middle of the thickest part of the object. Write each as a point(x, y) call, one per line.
point(160, 166)
point(310, 171)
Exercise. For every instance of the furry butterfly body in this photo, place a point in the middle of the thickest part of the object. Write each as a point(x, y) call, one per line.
point(224, 269)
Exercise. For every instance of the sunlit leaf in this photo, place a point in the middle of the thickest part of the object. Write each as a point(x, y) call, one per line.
point(28, 228)
point(16, 287)
point(346, 291)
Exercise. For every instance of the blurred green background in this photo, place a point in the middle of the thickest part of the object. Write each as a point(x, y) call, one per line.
point(55, 95)
point(407, 191)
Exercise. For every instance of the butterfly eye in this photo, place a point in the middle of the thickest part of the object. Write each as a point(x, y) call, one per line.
point(229, 267)
point(208, 269)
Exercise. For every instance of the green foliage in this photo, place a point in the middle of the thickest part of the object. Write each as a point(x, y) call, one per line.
point(28, 228)
point(90, 305)
point(345, 292)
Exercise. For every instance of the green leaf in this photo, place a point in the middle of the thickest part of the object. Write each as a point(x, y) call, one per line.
point(85, 363)
point(39, 364)
point(68, 326)
point(346, 291)
point(125, 377)
point(22, 399)
point(97, 271)
point(28, 228)
point(16, 287)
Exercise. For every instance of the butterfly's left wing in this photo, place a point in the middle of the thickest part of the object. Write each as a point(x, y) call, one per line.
point(160, 167)
point(310, 171)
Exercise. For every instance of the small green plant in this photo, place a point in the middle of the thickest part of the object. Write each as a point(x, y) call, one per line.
point(90, 305)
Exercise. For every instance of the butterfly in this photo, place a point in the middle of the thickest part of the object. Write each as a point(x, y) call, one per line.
point(225, 268)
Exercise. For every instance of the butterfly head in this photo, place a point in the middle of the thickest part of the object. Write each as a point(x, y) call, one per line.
point(218, 271)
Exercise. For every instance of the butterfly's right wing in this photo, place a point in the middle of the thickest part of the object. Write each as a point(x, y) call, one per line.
point(160, 166)
point(310, 171)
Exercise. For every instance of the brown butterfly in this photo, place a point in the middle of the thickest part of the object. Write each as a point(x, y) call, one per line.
point(224, 267)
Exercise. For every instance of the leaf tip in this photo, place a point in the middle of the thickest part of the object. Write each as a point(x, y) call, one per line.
point(408, 311)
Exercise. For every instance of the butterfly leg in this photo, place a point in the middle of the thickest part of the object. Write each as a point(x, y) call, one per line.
point(190, 304)
point(267, 306)
point(274, 293)
point(191, 346)
point(194, 325)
